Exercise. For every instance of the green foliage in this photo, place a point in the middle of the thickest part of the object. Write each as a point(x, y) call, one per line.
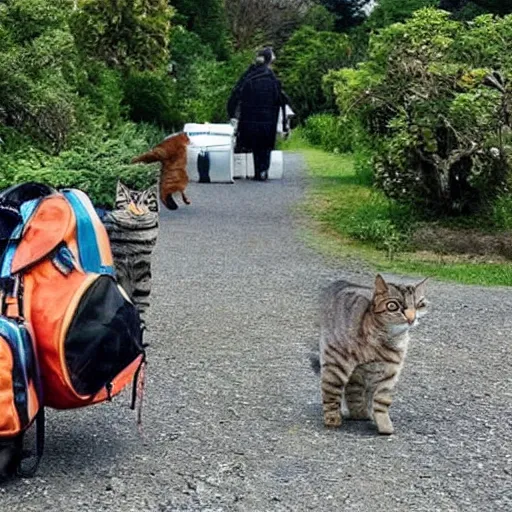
point(382, 223)
point(204, 89)
point(466, 10)
point(436, 116)
point(303, 62)
point(388, 12)
point(328, 132)
point(186, 49)
point(502, 213)
point(348, 13)
point(103, 89)
point(208, 20)
point(29, 19)
point(150, 98)
point(320, 18)
point(37, 64)
point(126, 34)
point(94, 164)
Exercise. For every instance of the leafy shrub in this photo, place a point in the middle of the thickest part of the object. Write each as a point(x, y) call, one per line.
point(125, 34)
point(37, 68)
point(207, 21)
point(151, 98)
point(93, 165)
point(304, 60)
point(186, 49)
point(502, 213)
point(328, 132)
point(388, 12)
point(320, 18)
point(382, 223)
point(363, 166)
point(437, 116)
point(103, 89)
point(205, 88)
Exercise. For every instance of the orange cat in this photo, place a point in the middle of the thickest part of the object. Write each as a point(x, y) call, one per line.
point(172, 152)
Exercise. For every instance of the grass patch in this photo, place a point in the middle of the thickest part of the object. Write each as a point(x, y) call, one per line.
point(352, 220)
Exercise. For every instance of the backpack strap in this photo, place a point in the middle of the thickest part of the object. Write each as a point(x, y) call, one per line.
point(28, 470)
point(11, 298)
point(88, 235)
point(27, 209)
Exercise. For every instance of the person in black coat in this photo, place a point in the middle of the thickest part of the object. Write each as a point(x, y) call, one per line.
point(255, 102)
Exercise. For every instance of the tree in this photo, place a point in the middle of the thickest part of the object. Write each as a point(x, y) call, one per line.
point(320, 18)
point(388, 12)
point(208, 19)
point(349, 13)
point(124, 33)
point(38, 64)
point(257, 22)
point(435, 100)
point(304, 61)
point(476, 7)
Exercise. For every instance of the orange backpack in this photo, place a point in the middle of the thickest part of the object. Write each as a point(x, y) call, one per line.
point(20, 394)
point(87, 331)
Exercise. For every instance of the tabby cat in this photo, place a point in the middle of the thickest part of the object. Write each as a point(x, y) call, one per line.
point(363, 345)
point(133, 229)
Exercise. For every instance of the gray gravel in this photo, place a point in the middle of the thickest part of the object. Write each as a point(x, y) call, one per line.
point(232, 418)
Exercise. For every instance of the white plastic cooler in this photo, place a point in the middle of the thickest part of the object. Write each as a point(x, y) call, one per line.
point(210, 155)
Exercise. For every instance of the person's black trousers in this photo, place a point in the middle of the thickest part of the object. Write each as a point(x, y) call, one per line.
point(261, 163)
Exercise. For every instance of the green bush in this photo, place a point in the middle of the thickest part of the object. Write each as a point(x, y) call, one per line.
point(327, 131)
point(302, 64)
point(502, 213)
point(124, 34)
point(204, 90)
point(435, 113)
point(363, 166)
point(151, 98)
point(382, 223)
point(38, 64)
point(319, 18)
point(94, 164)
point(102, 87)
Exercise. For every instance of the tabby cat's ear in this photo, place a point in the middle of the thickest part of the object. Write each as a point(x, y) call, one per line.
point(421, 287)
point(151, 199)
point(380, 285)
point(122, 195)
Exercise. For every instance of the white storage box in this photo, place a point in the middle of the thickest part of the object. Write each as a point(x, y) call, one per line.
point(276, 169)
point(210, 153)
point(244, 165)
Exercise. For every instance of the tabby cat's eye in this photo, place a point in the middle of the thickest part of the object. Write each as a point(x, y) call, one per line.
point(392, 306)
point(421, 304)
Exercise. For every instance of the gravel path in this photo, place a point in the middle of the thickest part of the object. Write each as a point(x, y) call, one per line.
point(232, 418)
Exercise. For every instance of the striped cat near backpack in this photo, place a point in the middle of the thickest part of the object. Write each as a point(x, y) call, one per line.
point(133, 230)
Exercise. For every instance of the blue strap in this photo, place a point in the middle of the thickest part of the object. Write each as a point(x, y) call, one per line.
point(27, 209)
point(88, 248)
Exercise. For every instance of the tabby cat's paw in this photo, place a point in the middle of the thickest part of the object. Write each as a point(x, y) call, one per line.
point(384, 425)
point(332, 419)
